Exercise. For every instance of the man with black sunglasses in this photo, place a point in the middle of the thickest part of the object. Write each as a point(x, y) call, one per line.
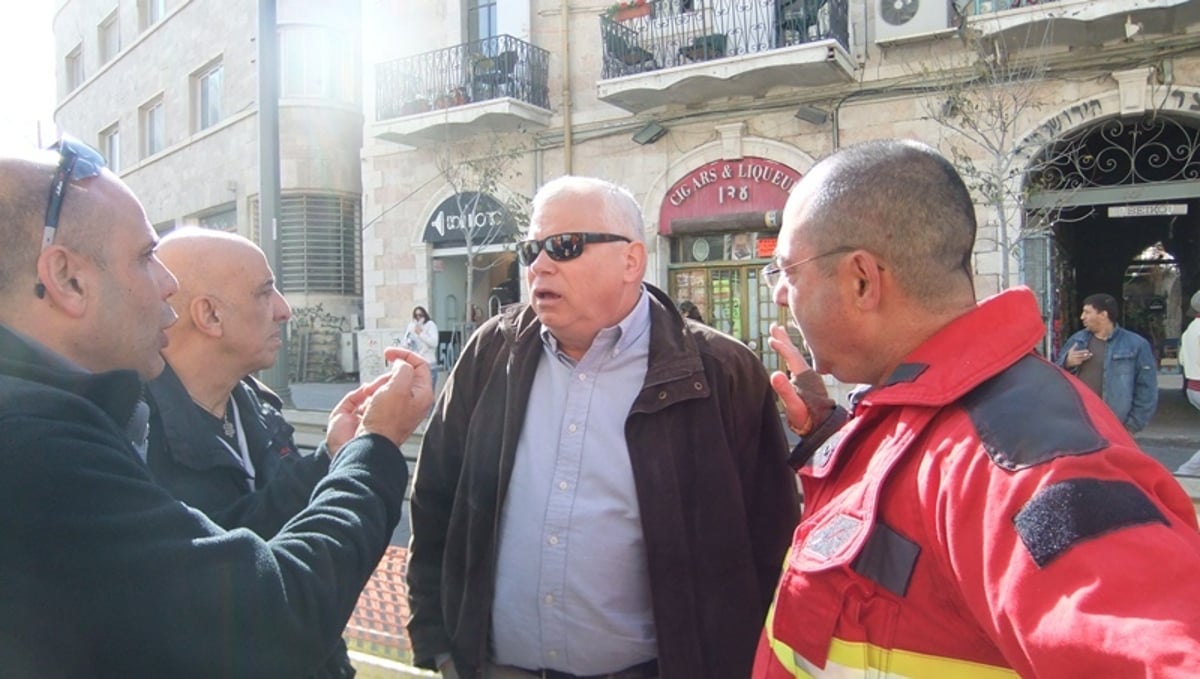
point(102, 572)
point(602, 491)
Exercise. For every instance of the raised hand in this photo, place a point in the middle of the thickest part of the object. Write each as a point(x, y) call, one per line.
point(392, 405)
point(804, 397)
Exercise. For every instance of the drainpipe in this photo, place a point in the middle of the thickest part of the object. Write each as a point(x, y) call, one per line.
point(566, 85)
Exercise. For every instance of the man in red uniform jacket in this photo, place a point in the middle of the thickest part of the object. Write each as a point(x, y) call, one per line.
point(982, 513)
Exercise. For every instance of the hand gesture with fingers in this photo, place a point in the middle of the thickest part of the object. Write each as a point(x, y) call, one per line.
point(391, 406)
point(804, 397)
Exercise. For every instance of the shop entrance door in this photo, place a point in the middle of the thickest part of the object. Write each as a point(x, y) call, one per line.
point(734, 300)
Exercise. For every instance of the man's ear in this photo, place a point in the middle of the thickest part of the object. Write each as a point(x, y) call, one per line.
point(205, 316)
point(635, 262)
point(866, 274)
point(66, 278)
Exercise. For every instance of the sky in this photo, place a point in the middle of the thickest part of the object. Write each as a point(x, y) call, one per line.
point(26, 71)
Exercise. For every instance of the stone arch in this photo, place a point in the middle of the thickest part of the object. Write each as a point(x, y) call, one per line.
point(732, 143)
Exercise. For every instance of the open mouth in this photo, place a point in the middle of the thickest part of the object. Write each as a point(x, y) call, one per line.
point(546, 296)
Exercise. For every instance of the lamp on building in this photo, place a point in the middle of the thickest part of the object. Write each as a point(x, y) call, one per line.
point(650, 133)
point(812, 114)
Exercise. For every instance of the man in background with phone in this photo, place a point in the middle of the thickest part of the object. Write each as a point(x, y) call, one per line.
point(1117, 364)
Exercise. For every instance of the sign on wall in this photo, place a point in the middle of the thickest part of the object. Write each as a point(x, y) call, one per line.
point(486, 219)
point(748, 184)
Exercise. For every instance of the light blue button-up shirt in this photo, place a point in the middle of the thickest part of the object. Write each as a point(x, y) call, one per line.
point(572, 582)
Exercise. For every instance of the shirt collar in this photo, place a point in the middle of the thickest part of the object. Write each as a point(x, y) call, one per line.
point(619, 337)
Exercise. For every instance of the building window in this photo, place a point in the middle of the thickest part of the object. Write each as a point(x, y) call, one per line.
point(207, 92)
point(75, 67)
point(150, 12)
point(110, 38)
point(481, 19)
point(320, 243)
point(110, 146)
point(153, 124)
point(223, 218)
point(316, 62)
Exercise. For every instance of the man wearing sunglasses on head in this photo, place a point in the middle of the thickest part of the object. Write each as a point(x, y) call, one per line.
point(105, 574)
point(602, 490)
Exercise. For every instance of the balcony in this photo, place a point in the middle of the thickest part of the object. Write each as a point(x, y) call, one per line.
point(1034, 23)
point(497, 84)
point(687, 52)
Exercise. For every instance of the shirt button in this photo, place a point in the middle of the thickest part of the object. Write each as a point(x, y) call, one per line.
point(553, 540)
point(553, 654)
point(583, 378)
point(562, 485)
point(571, 428)
point(549, 598)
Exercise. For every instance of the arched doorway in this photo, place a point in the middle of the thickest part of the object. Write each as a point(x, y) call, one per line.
point(1121, 202)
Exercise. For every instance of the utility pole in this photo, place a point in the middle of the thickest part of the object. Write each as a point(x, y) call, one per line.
point(276, 376)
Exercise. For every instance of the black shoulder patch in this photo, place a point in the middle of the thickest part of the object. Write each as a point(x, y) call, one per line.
point(1030, 414)
point(906, 372)
point(888, 559)
point(1068, 512)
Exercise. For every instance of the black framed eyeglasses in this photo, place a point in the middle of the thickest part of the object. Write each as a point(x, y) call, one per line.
point(563, 246)
point(77, 161)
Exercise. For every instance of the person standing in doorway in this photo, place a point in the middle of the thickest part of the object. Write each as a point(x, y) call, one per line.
point(1116, 363)
point(421, 336)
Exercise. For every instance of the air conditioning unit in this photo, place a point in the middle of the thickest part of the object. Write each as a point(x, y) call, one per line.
point(899, 18)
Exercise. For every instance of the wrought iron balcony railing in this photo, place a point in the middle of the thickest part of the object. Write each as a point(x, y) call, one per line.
point(974, 7)
point(492, 68)
point(680, 32)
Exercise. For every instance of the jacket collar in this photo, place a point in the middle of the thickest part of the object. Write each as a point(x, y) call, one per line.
point(186, 431)
point(1000, 330)
point(116, 392)
point(674, 353)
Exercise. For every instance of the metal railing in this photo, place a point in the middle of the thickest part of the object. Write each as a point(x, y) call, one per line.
point(990, 6)
point(492, 68)
point(680, 32)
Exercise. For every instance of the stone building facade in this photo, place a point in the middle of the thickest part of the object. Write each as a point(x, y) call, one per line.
point(167, 90)
point(1075, 121)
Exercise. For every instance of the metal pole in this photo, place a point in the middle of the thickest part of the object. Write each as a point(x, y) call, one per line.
point(276, 376)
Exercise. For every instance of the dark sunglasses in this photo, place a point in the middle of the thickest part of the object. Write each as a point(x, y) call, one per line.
point(77, 161)
point(562, 246)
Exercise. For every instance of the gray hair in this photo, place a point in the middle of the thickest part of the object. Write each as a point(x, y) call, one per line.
point(621, 213)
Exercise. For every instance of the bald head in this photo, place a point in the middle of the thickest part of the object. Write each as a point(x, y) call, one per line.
point(206, 262)
point(229, 308)
point(901, 200)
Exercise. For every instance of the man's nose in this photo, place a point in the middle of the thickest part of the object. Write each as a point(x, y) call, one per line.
point(779, 293)
point(283, 311)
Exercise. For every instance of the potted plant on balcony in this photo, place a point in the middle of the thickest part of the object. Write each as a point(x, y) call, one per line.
point(627, 9)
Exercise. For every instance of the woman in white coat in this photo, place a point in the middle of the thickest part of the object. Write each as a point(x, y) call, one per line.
point(421, 336)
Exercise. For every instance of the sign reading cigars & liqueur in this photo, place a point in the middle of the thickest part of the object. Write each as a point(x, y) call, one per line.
point(748, 184)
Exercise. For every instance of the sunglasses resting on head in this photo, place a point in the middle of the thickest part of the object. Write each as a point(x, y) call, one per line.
point(77, 161)
point(562, 247)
